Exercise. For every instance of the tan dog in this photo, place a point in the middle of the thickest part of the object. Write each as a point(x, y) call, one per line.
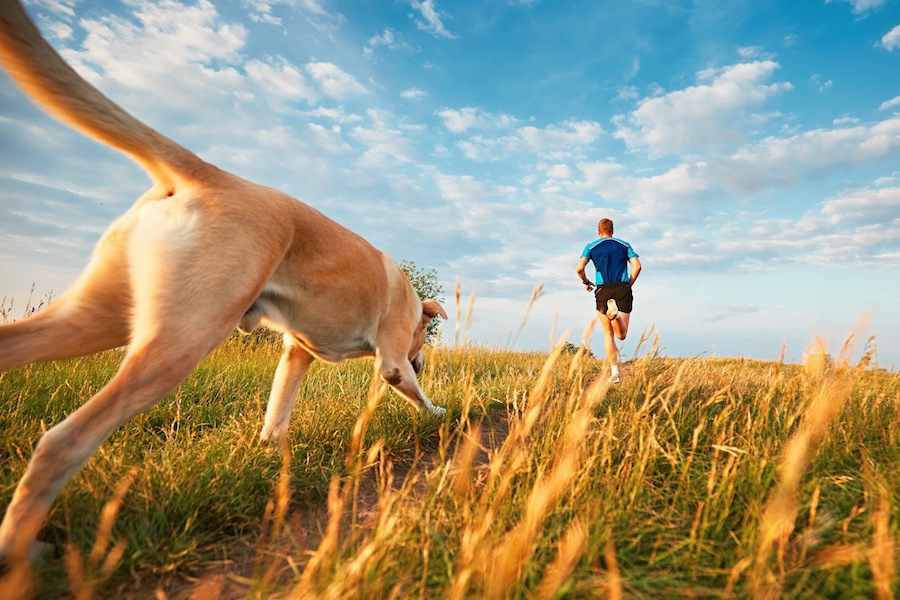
point(201, 252)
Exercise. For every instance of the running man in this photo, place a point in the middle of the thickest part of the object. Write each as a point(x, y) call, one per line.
point(611, 257)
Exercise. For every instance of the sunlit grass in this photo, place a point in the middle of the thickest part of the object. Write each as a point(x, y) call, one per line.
point(699, 477)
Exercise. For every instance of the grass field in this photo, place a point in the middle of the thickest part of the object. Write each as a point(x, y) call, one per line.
point(693, 478)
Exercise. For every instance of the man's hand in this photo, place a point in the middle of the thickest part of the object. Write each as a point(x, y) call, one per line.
point(580, 270)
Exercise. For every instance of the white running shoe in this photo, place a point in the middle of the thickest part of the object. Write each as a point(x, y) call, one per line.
point(612, 311)
point(614, 379)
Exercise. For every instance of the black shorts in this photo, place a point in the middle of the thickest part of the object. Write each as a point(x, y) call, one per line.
point(620, 291)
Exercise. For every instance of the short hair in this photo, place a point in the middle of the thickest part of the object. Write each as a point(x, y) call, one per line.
point(605, 227)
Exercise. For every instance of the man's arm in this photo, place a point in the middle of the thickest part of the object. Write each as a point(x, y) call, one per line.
point(635, 269)
point(581, 265)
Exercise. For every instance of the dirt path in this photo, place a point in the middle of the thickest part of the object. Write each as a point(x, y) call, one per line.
point(246, 560)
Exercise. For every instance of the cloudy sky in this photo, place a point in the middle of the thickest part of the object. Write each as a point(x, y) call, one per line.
point(748, 150)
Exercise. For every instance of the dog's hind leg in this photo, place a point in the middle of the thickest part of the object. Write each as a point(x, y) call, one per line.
point(291, 368)
point(93, 314)
point(63, 330)
point(75, 324)
point(150, 370)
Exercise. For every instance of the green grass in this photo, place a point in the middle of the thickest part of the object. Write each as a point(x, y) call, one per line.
point(693, 478)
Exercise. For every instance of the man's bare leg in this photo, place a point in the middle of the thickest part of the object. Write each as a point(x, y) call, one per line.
point(619, 320)
point(615, 325)
point(620, 325)
point(609, 344)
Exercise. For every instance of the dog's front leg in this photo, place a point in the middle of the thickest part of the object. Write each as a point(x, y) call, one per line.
point(400, 375)
point(291, 368)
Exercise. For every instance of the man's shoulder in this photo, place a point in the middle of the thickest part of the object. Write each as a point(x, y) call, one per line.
point(625, 244)
point(591, 245)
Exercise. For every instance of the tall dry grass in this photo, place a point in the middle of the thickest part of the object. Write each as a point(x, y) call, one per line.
point(696, 477)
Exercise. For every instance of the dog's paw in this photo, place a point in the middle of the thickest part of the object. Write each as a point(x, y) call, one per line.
point(6, 565)
point(273, 443)
point(37, 553)
point(41, 551)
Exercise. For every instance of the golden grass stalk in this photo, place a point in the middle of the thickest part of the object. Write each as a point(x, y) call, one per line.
point(461, 481)
point(517, 547)
point(456, 295)
point(583, 348)
point(780, 511)
point(614, 581)
point(535, 295)
point(883, 552)
point(377, 390)
point(571, 548)
point(328, 545)
point(17, 582)
point(338, 494)
point(476, 556)
point(84, 579)
point(470, 312)
point(278, 512)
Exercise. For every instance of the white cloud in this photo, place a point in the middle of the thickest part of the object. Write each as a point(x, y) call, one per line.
point(861, 6)
point(262, 12)
point(385, 39)
point(385, 146)
point(554, 141)
point(559, 171)
point(779, 161)
point(431, 20)
point(627, 92)
point(891, 39)
point(724, 106)
point(889, 104)
point(688, 193)
point(463, 189)
point(335, 114)
point(475, 118)
point(754, 53)
point(334, 82)
point(183, 50)
point(816, 81)
point(479, 148)
point(859, 228)
point(57, 30)
point(62, 8)
point(569, 135)
point(865, 207)
point(281, 81)
point(262, 9)
point(413, 94)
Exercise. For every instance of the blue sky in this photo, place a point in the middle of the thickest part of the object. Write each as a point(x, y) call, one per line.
point(748, 150)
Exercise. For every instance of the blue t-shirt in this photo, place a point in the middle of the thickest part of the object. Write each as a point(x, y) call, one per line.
point(610, 257)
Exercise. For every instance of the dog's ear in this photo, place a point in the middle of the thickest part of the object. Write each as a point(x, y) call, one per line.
point(432, 309)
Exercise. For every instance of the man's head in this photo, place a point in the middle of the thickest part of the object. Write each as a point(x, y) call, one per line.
point(605, 227)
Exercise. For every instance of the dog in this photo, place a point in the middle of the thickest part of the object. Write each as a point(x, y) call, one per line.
point(201, 252)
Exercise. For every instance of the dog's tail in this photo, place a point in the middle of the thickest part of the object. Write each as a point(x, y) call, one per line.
point(54, 85)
